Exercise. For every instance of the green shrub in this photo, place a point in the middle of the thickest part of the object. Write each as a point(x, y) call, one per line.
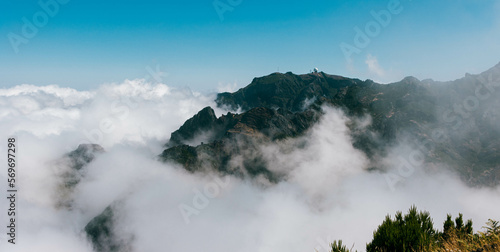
point(412, 232)
point(337, 246)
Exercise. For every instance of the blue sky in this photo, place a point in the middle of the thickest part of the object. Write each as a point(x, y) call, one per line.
point(84, 44)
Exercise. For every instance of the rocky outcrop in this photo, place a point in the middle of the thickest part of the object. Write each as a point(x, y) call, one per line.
point(71, 169)
point(233, 134)
point(102, 234)
point(204, 121)
point(84, 154)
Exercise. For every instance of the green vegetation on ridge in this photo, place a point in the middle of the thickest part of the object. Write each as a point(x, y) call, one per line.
point(415, 232)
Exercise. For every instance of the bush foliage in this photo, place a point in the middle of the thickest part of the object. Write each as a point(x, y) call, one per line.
point(414, 232)
point(411, 232)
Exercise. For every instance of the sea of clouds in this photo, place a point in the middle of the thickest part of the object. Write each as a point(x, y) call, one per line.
point(328, 194)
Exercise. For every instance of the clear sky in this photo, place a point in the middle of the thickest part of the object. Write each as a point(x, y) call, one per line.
point(83, 44)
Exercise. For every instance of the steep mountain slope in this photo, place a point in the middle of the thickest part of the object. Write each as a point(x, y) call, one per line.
point(233, 134)
point(453, 123)
point(72, 168)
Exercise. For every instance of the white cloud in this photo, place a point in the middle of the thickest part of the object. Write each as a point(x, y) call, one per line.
point(374, 67)
point(228, 87)
point(134, 110)
point(69, 96)
point(328, 149)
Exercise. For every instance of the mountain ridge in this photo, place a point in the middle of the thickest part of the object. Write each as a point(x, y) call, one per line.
point(409, 107)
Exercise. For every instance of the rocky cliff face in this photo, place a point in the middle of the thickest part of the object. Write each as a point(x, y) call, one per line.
point(101, 231)
point(231, 135)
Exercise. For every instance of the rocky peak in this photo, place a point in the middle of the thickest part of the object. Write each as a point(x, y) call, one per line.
point(205, 120)
point(84, 154)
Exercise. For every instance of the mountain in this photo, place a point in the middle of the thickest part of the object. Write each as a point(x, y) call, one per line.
point(101, 233)
point(454, 123)
point(71, 169)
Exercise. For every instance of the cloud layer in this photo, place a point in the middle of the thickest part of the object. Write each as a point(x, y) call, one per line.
point(328, 193)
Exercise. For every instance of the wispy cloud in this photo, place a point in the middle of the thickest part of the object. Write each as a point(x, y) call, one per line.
point(227, 87)
point(374, 67)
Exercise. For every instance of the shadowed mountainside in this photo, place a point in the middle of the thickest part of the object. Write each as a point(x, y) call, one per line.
point(452, 123)
point(71, 169)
